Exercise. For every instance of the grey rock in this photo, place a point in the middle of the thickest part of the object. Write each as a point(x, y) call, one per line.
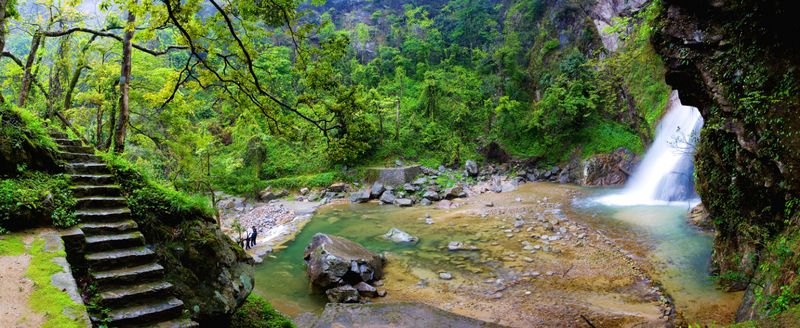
point(365, 289)
point(304, 191)
point(410, 188)
point(343, 294)
point(361, 196)
point(387, 197)
point(431, 195)
point(425, 202)
point(454, 192)
point(338, 187)
point(471, 168)
point(376, 190)
point(333, 261)
point(400, 236)
point(403, 202)
point(445, 276)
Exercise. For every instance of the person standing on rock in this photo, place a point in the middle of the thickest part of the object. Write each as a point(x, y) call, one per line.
point(253, 237)
point(247, 235)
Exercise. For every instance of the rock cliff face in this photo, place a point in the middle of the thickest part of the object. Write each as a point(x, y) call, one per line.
point(737, 62)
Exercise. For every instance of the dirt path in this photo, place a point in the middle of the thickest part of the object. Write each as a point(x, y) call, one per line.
point(15, 290)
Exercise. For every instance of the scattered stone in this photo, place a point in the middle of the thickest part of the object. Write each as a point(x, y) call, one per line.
point(454, 192)
point(425, 202)
point(364, 289)
point(428, 220)
point(343, 294)
point(445, 276)
point(400, 236)
point(338, 187)
point(376, 190)
point(381, 293)
point(431, 195)
point(410, 188)
point(471, 168)
point(378, 283)
point(304, 191)
point(489, 204)
point(403, 202)
point(387, 197)
point(456, 246)
point(361, 196)
point(518, 199)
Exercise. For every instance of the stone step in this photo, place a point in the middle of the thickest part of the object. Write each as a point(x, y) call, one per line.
point(147, 313)
point(105, 214)
point(58, 134)
point(108, 227)
point(100, 243)
point(66, 142)
point(119, 258)
point(92, 179)
point(174, 323)
point(131, 275)
point(77, 149)
point(78, 157)
point(97, 202)
point(119, 296)
point(86, 168)
point(96, 190)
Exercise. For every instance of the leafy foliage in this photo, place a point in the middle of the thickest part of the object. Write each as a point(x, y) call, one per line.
point(258, 313)
point(34, 199)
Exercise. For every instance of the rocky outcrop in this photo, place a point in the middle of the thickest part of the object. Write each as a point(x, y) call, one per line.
point(18, 149)
point(333, 261)
point(603, 14)
point(737, 62)
point(608, 169)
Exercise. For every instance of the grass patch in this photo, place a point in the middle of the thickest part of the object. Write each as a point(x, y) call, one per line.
point(258, 313)
point(11, 246)
point(296, 182)
point(46, 298)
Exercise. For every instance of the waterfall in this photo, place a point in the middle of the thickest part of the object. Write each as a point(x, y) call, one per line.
point(666, 172)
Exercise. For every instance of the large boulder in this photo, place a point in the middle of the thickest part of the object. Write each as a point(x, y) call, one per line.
point(431, 195)
point(333, 261)
point(400, 236)
point(343, 294)
point(377, 190)
point(471, 168)
point(361, 196)
point(387, 197)
point(454, 192)
point(608, 169)
point(267, 195)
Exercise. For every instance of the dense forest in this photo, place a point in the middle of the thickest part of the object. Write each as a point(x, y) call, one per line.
point(324, 86)
point(584, 162)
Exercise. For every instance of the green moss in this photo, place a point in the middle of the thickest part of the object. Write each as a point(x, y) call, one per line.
point(20, 124)
point(46, 298)
point(11, 246)
point(148, 198)
point(258, 313)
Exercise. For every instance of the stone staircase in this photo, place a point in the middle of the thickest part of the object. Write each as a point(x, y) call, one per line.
point(130, 282)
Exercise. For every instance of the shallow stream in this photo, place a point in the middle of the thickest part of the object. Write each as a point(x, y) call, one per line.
point(673, 252)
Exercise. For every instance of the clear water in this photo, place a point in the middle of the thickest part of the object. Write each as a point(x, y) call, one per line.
point(659, 234)
point(281, 278)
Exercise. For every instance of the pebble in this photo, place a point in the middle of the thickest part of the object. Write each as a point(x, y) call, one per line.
point(428, 221)
point(550, 273)
point(518, 199)
point(527, 259)
point(445, 276)
point(527, 292)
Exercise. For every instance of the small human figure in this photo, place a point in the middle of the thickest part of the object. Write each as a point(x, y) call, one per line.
point(253, 237)
point(247, 235)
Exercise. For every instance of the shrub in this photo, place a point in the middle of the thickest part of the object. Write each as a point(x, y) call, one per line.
point(35, 198)
point(258, 313)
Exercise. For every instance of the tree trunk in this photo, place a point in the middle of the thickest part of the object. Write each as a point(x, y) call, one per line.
point(71, 87)
point(98, 137)
point(124, 85)
point(3, 4)
point(28, 76)
point(111, 125)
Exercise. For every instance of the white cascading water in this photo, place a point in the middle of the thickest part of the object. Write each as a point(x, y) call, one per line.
point(665, 174)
